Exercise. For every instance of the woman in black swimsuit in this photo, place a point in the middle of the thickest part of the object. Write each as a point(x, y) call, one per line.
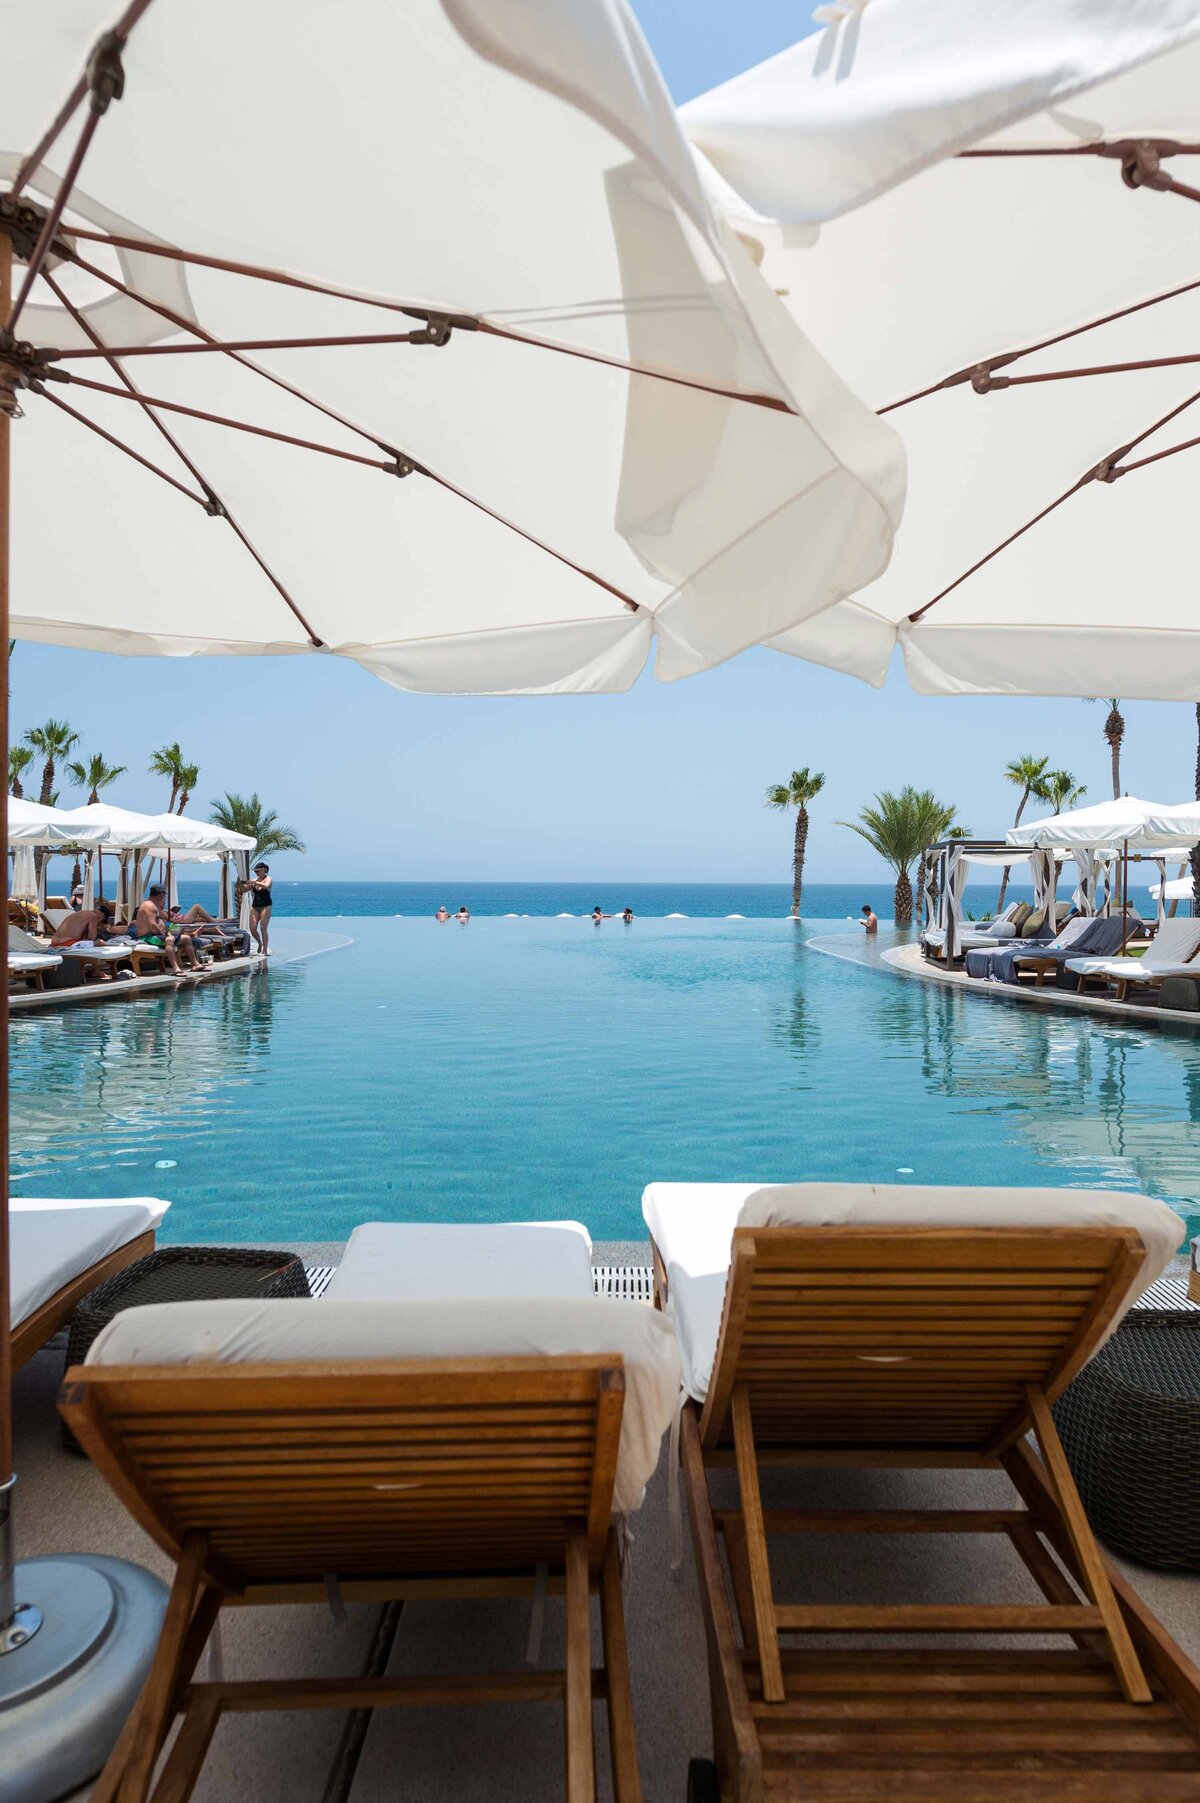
point(260, 906)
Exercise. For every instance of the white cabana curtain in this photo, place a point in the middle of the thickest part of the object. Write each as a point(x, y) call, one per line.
point(957, 869)
point(89, 880)
point(24, 874)
point(1089, 864)
point(225, 889)
point(242, 861)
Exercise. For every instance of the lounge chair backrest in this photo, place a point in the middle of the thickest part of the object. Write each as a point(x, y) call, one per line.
point(1103, 939)
point(21, 941)
point(875, 1333)
point(361, 1462)
point(1070, 934)
point(1176, 942)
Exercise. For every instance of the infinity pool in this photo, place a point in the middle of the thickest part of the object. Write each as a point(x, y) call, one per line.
point(524, 1069)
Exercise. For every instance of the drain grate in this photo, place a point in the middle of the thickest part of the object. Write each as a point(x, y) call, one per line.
point(1168, 1292)
point(318, 1278)
point(624, 1283)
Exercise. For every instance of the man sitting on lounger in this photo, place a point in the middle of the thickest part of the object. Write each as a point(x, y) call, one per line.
point(91, 924)
point(153, 929)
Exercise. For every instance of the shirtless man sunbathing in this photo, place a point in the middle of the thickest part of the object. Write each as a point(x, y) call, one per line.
point(153, 929)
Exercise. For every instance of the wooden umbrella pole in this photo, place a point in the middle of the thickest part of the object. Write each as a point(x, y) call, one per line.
point(6, 1446)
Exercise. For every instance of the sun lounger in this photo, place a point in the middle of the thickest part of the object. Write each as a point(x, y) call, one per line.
point(413, 1262)
point(1170, 954)
point(1000, 965)
point(891, 1327)
point(61, 1250)
point(1101, 938)
point(283, 1452)
point(971, 935)
point(31, 967)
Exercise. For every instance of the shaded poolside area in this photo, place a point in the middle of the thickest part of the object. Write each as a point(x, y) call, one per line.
point(909, 960)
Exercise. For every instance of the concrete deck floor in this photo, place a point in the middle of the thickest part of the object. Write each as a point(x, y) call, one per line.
point(910, 961)
point(515, 1752)
point(24, 1001)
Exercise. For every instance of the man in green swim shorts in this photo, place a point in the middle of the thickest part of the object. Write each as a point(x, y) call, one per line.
point(151, 924)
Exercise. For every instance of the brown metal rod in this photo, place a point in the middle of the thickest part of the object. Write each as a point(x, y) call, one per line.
point(244, 344)
point(1095, 369)
point(1004, 358)
point(1123, 469)
point(1002, 546)
point(120, 445)
point(50, 224)
point(1071, 150)
point(189, 325)
point(66, 111)
point(236, 425)
point(260, 273)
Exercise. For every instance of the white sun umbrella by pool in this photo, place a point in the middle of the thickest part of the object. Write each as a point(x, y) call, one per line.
point(404, 332)
point(971, 232)
point(528, 403)
point(32, 825)
point(1146, 828)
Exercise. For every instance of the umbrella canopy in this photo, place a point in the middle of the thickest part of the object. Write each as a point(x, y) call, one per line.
point(1140, 825)
point(446, 362)
point(1176, 888)
point(160, 833)
point(29, 823)
point(1027, 314)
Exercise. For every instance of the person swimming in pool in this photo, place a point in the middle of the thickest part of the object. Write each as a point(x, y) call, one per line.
point(869, 922)
point(598, 915)
point(464, 913)
point(443, 913)
point(627, 916)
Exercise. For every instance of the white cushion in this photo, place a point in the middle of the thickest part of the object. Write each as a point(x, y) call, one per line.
point(692, 1225)
point(403, 1261)
point(100, 953)
point(52, 1242)
point(288, 1330)
point(33, 960)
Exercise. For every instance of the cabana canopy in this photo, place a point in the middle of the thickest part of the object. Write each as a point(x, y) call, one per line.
point(29, 823)
point(1144, 826)
point(157, 833)
point(988, 221)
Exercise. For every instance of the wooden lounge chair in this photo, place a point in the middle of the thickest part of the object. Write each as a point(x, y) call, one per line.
point(923, 1346)
point(30, 967)
point(61, 1250)
point(405, 1476)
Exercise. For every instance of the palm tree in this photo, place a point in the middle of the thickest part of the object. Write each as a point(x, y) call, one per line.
point(94, 775)
point(1028, 773)
point(901, 828)
point(19, 759)
point(1062, 791)
point(1114, 732)
point(189, 776)
point(168, 761)
point(801, 787)
point(246, 814)
point(53, 740)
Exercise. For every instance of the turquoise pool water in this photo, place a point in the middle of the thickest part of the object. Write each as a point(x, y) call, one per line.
point(523, 1069)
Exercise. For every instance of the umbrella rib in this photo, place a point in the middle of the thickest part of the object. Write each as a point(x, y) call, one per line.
point(402, 465)
point(120, 444)
point(1097, 369)
point(1107, 470)
point(188, 325)
point(986, 365)
point(67, 110)
point(464, 321)
point(211, 502)
point(247, 344)
point(50, 223)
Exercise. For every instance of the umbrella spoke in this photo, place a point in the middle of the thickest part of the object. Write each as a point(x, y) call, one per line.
point(461, 321)
point(120, 445)
point(66, 112)
point(252, 344)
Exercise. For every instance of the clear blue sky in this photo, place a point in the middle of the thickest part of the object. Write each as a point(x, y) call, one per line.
point(664, 784)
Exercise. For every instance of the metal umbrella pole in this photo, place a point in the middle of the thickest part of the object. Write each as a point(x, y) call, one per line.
point(77, 1632)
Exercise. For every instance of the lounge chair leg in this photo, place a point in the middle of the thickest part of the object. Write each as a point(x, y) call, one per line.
point(627, 1780)
point(766, 1632)
point(156, 1706)
point(581, 1752)
point(186, 1757)
point(1091, 1565)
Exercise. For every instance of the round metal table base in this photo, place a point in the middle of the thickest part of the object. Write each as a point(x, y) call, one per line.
point(66, 1690)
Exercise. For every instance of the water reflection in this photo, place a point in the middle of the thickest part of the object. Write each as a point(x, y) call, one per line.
point(138, 1073)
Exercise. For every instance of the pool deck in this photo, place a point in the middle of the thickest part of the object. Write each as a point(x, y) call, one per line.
point(493, 1754)
point(910, 962)
point(24, 1001)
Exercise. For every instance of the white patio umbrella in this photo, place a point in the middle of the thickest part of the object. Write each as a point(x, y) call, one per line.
point(407, 333)
point(1145, 828)
point(971, 231)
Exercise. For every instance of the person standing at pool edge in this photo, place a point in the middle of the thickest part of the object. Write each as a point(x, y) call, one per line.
point(869, 922)
point(260, 905)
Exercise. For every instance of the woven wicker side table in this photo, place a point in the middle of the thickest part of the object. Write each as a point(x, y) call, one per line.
point(183, 1274)
point(1130, 1424)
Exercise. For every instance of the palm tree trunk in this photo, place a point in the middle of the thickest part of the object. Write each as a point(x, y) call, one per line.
point(47, 782)
point(902, 901)
point(798, 859)
point(1007, 871)
point(1116, 768)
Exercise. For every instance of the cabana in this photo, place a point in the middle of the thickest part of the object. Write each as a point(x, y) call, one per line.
point(1126, 825)
point(947, 865)
point(139, 838)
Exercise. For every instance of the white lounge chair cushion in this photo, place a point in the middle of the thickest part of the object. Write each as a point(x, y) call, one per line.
point(20, 961)
point(692, 1225)
point(108, 953)
point(52, 1242)
point(285, 1331)
point(403, 1261)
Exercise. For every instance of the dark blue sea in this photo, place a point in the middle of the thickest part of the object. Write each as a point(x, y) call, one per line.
point(698, 901)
